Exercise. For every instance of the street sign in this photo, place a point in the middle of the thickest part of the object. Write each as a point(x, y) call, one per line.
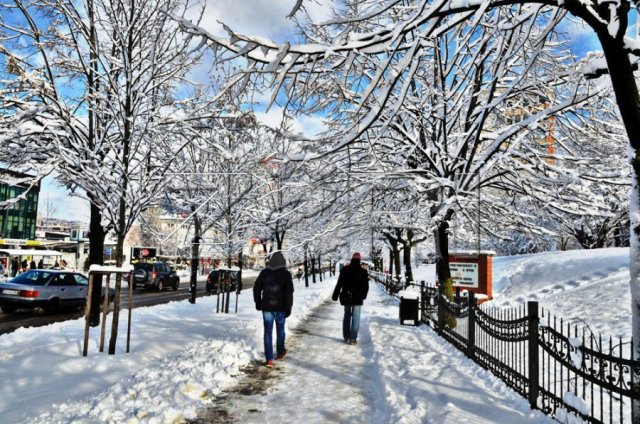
point(464, 274)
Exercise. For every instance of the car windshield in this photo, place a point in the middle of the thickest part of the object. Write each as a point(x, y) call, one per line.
point(32, 278)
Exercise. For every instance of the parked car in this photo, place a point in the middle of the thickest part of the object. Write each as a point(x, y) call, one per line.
point(45, 288)
point(156, 275)
point(221, 274)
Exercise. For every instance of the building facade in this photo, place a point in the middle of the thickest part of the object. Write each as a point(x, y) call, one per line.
point(19, 220)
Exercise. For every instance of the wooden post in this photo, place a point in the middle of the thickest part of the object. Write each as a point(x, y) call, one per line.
point(440, 310)
point(87, 309)
point(533, 354)
point(228, 287)
point(130, 308)
point(218, 293)
point(306, 269)
point(105, 309)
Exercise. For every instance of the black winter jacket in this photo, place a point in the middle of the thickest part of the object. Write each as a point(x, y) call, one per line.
point(273, 290)
point(353, 278)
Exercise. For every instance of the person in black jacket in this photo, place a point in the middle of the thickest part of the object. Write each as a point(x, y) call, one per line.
point(273, 294)
point(352, 289)
point(15, 267)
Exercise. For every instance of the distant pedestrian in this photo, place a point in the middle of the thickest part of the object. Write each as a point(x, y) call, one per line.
point(273, 295)
point(32, 265)
point(15, 266)
point(41, 263)
point(24, 265)
point(352, 289)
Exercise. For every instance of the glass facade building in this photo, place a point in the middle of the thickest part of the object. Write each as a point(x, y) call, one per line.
point(19, 220)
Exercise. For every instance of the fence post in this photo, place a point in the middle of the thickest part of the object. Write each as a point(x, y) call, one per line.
point(423, 301)
point(440, 310)
point(532, 308)
point(471, 322)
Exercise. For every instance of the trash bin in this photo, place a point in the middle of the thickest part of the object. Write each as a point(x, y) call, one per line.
point(409, 309)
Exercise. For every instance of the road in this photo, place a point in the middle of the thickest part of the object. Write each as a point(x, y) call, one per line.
point(141, 297)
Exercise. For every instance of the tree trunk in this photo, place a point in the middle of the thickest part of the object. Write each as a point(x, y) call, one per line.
point(441, 236)
point(634, 274)
point(406, 253)
point(396, 259)
point(116, 299)
point(628, 99)
point(96, 249)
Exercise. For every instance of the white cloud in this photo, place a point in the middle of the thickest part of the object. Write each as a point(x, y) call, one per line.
point(71, 208)
point(266, 18)
point(310, 126)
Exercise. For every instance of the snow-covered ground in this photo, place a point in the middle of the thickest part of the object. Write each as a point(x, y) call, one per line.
point(183, 354)
point(581, 286)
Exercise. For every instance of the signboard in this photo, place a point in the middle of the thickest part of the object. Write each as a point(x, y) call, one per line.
point(464, 274)
point(143, 252)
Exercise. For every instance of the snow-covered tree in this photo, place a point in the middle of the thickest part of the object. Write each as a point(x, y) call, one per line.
point(105, 94)
point(297, 68)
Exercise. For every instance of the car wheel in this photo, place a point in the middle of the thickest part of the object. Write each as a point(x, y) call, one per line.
point(8, 309)
point(160, 285)
point(53, 306)
point(176, 285)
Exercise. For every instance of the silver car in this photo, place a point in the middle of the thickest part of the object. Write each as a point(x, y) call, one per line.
point(44, 288)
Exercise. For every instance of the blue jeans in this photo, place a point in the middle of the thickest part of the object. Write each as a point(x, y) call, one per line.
point(351, 322)
point(268, 318)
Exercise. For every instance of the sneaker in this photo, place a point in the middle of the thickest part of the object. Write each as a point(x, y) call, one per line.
point(353, 341)
point(281, 356)
point(269, 363)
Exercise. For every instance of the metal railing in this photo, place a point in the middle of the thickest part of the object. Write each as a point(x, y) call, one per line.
point(561, 368)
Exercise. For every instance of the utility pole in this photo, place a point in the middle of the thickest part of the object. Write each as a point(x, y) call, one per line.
point(195, 257)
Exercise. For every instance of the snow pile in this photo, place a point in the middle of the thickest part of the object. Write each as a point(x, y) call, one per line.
point(181, 354)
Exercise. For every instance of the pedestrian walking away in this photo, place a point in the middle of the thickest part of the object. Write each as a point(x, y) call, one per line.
point(273, 295)
point(352, 289)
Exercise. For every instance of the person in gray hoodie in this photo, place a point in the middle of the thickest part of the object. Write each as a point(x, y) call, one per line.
point(273, 295)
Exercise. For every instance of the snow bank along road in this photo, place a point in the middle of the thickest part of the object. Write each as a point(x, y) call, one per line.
point(396, 374)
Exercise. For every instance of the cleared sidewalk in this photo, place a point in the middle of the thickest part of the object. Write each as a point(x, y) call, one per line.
point(395, 374)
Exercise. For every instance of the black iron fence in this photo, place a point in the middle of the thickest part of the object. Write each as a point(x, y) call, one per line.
point(562, 368)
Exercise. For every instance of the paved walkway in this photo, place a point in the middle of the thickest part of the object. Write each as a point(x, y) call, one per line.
point(320, 380)
point(396, 374)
